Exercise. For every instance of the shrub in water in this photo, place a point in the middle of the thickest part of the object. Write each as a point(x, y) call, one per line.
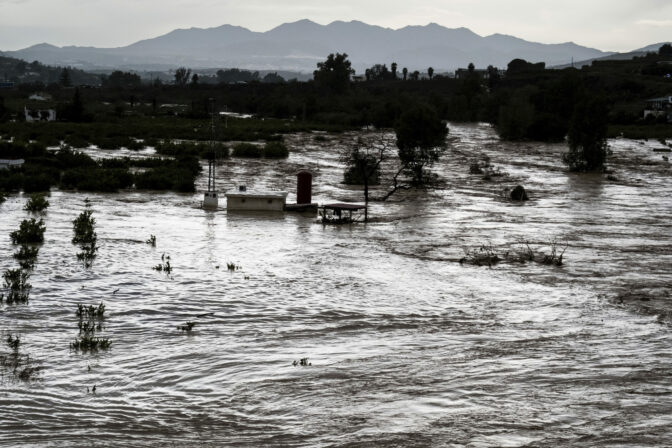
point(36, 203)
point(30, 232)
point(248, 150)
point(275, 150)
point(26, 257)
point(16, 283)
point(83, 228)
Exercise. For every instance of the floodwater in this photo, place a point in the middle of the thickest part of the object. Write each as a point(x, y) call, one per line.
point(408, 347)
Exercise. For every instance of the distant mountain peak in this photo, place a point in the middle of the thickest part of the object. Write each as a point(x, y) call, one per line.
point(298, 45)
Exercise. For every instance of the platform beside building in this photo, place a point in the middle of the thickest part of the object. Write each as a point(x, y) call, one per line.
point(256, 201)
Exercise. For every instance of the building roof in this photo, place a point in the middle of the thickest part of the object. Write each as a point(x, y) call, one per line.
point(661, 99)
point(344, 206)
point(258, 194)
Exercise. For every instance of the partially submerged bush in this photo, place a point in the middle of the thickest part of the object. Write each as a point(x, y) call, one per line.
point(92, 312)
point(17, 286)
point(248, 150)
point(83, 227)
point(275, 150)
point(484, 255)
point(26, 256)
point(164, 266)
point(30, 232)
point(21, 366)
point(178, 175)
point(37, 203)
point(89, 322)
point(86, 237)
point(201, 150)
point(186, 327)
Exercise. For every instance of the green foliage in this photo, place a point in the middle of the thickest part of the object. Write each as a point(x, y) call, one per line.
point(334, 73)
point(30, 232)
point(361, 168)
point(97, 312)
point(26, 256)
point(235, 75)
point(36, 203)
point(22, 366)
point(421, 139)
point(515, 118)
point(152, 240)
point(587, 136)
point(96, 179)
point(164, 266)
point(121, 80)
point(84, 228)
point(17, 286)
point(248, 150)
point(186, 327)
point(201, 150)
point(90, 321)
point(177, 175)
point(182, 76)
point(275, 150)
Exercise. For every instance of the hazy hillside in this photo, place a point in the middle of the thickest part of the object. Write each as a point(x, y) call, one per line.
point(300, 45)
point(619, 56)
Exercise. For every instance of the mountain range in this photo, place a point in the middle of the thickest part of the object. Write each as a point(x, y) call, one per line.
point(298, 46)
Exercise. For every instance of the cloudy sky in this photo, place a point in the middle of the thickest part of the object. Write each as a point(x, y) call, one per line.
point(610, 25)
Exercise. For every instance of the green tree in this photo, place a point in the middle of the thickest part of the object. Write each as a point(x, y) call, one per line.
point(64, 78)
point(182, 76)
point(421, 137)
point(77, 107)
point(665, 50)
point(363, 161)
point(587, 136)
point(334, 73)
point(430, 73)
point(405, 73)
point(393, 67)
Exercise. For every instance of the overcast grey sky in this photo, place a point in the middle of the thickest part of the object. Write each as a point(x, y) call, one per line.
point(610, 25)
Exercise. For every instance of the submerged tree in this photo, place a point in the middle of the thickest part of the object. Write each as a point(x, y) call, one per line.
point(363, 162)
point(421, 137)
point(587, 136)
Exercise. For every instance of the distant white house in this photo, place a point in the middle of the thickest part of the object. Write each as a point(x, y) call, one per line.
point(39, 114)
point(39, 96)
point(659, 107)
point(6, 164)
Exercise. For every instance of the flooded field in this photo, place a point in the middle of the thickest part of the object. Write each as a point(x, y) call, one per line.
point(407, 346)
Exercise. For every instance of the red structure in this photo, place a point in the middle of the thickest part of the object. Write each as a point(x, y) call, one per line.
point(304, 187)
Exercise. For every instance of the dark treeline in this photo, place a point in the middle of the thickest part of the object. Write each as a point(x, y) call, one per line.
point(74, 170)
point(524, 100)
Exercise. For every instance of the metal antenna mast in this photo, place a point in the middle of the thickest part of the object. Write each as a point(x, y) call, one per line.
point(211, 159)
point(210, 199)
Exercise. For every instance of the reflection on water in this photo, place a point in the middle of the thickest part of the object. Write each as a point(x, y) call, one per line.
point(408, 347)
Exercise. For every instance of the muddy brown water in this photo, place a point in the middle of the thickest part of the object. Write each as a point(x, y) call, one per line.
point(408, 347)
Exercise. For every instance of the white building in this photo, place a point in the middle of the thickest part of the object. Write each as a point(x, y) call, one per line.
point(39, 114)
point(6, 164)
point(243, 200)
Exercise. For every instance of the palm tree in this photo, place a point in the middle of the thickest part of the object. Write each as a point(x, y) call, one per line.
point(405, 72)
point(430, 73)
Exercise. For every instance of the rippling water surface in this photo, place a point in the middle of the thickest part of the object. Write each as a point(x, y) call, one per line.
point(408, 347)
